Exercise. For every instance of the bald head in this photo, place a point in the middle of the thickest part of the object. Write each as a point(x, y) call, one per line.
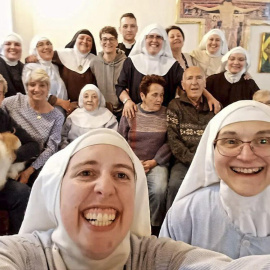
point(193, 83)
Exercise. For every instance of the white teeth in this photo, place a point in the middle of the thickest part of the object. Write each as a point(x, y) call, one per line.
point(247, 170)
point(100, 219)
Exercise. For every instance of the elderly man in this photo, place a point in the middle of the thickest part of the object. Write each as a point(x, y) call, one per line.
point(187, 117)
point(107, 67)
point(128, 28)
point(146, 134)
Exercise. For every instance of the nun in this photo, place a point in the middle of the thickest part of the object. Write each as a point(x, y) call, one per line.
point(230, 85)
point(223, 202)
point(10, 65)
point(91, 114)
point(211, 49)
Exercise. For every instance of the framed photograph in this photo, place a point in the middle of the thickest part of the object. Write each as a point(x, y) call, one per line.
point(264, 62)
point(234, 17)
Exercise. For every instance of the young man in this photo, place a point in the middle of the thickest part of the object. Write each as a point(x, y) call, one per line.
point(107, 67)
point(128, 29)
point(187, 117)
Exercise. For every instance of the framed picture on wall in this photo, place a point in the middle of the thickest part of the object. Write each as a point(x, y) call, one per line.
point(264, 62)
point(234, 17)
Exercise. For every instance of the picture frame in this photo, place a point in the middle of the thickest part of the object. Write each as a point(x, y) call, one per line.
point(264, 61)
point(234, 17)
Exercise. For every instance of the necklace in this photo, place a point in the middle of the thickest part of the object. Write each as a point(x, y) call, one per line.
point(39, 116)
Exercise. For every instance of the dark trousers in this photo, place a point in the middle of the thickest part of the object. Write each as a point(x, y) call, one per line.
point(13, 198)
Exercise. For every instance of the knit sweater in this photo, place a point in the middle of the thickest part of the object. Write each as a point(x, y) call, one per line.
point(146, 134)
point(186, 124)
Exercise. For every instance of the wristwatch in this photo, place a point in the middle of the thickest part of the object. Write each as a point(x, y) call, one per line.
point(125, 100)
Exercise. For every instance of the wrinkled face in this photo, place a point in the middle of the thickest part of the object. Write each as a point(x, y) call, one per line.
point(12, 50)
point(176, 39)
point(236, 62)
point(84, 43)
point(153, 43)
point(193, 83)
point(213, 44)
point(108, 43)
point(97, 199)
point(90, 100)
point(45, 50)
point(37, 91)
point(153, 100)
point(247, 174)
point(128, 28)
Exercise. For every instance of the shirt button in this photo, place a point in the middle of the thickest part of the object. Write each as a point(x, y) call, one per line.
point(246, 243)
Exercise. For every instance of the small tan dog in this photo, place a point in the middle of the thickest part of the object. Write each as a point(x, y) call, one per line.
point(9, 143)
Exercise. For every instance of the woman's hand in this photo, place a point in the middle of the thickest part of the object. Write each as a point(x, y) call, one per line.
point(31, 59)
point(149, 165)
point(247, 76)
point(212, 102)
point(24, 176)
point(129, 109)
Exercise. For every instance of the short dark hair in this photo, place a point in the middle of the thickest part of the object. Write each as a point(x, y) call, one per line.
point(129, 15)
point(148, 80)
point(108, 30)
point(174, 27)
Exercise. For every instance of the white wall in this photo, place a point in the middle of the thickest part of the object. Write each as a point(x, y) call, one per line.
point(5, 17)
point(60, 19)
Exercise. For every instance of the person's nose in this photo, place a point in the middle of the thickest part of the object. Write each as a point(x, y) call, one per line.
point(246, 153)
point(105, 185)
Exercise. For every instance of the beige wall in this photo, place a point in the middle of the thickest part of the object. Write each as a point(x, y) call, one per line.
point(60, 19)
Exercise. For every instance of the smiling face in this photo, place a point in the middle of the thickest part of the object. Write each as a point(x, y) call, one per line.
point(213, 44)
point(176, 39)
point(153, 100)
point(97, 199)
point(12, 50)
point(84, 43)
point(236, 62)
point(45, 50)
point(37, 90)
point(193, 83)
point(247, 174)
point(153, 43)
point(108, 43)
point(90, 100)
point(128, 28)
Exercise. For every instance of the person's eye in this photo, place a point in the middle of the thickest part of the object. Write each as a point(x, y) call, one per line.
point(122, 176)
point(263, 141)
point(86, 173)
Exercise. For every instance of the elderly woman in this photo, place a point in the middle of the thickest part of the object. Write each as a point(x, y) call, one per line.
point(222, 204)
point(91, 114)
point(10, 65)
point(230, 85)
point(42, 121)
point(176, 38)
point(88, 210)
point(146, 134)
point(42, 48)
point(211, 49)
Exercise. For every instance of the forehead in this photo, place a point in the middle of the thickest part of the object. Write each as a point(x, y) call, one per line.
point(247, 128)
point(84, 36)
point(108, 35)
point(89, 92)
point(155, 87)
point(215, 36)
point(12, 42)
point(101, 155)
point(237, 55)
point(128, 20)
point(174, 32)
point(194, 71)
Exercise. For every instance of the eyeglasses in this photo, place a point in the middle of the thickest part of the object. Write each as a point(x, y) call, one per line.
point(111, 39)
point(230, 147)
point(152, 37)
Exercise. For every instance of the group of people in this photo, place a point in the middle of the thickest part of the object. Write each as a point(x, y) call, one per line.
point(111, 141)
